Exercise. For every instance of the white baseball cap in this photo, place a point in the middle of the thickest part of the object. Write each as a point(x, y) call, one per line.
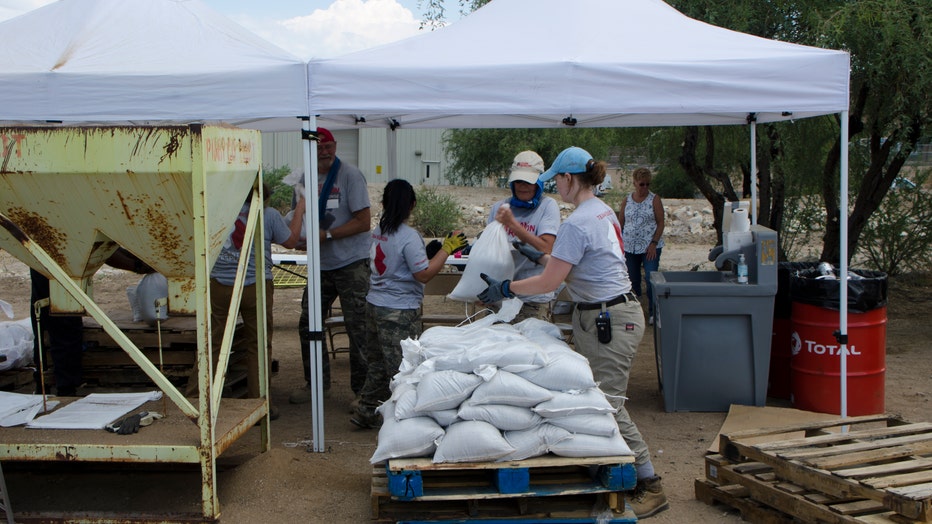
point(526, 167)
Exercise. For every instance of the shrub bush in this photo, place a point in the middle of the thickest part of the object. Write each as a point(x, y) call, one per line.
point(899, 236)
point(436, 213)
point(281, 195)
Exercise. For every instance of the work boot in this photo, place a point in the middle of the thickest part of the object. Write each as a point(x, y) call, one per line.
point(366, 419)
point(647, 498)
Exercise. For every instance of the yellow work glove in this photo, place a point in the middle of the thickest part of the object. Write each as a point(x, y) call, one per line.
point(453, 243)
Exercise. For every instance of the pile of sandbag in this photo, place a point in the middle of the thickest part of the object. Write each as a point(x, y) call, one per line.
point(16, 344)
point(495, 392)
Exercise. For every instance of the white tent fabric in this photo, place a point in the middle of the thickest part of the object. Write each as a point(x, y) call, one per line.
point(140, 61)
point(605, 63)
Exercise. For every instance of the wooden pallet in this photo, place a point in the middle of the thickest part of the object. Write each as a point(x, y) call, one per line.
point(760, 496)
point(881, 463)
point(541, 489)
point(107, 366)
point(14, 379)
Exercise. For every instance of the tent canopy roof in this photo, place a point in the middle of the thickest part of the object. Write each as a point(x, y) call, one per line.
point(534, 63)
point(140, 61)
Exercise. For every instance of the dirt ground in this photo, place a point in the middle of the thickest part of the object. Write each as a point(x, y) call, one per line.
point(291, 483)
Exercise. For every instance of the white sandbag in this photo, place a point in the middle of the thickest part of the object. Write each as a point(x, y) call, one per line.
point(405, 399)
point(589, 402)
point(440, 340)
point(444, 390)
point(502, 416)
point(411, 437)
point(564, 371)
point(412, 354)
point(134, 303)
point(471, 441)
point(490, 254)
point(507, 388)
point(465, 349)
point(591, 446)
point(534, 441)
point(603, 425)
point(152, 287)
point(535, 327)
point(16, 341)
point(445, 417)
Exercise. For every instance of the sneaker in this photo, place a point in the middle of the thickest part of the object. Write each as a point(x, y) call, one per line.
point(302, 395)
point(650, 320)
point(366, 420)
point(648, 498)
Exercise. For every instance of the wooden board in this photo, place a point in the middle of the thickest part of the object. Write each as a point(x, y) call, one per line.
point(878, 458)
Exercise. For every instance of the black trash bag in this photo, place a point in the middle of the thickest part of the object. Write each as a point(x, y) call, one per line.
point(864, 294)
point(783, 303)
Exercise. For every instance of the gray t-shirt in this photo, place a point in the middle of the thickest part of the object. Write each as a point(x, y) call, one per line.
point(590, 239)
point(542, 220)
point(276, 230)
point(394, 259)
point(349, 195)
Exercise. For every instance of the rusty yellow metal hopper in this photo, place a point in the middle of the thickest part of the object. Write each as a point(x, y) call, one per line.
point(80, 192)
point(70, 196)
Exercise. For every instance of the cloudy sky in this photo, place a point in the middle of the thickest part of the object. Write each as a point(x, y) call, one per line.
point(306, 28)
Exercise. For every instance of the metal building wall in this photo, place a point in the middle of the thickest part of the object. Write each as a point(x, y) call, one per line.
point(286, 148)
point(421, 159)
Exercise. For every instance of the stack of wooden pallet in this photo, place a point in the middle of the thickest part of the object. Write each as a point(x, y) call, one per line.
point(541, 489)
point(106, 365)
point(869, 469)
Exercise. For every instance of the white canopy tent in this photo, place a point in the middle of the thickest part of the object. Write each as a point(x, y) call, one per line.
point(587, 63)
point(145, 61)
point(533, 63)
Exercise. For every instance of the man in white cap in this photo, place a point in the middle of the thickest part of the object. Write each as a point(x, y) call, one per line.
point(531, 220)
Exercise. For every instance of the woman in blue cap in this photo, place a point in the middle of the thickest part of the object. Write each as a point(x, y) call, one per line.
point(608, 322)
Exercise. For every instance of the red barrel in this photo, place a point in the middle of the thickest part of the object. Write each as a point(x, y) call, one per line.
point(778, 381)
point(816, 362)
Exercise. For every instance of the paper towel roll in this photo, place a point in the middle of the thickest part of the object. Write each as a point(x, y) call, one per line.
point(740, 221)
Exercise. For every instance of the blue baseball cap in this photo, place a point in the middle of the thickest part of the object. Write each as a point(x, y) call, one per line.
point(570, 160)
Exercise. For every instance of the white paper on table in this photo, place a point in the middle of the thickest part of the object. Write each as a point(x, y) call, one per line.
point(94, 411)
point(17, 408)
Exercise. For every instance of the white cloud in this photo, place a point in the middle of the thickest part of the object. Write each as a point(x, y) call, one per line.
point(344, 27)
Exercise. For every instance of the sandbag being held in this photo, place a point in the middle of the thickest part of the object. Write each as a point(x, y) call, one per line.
point(490, 254)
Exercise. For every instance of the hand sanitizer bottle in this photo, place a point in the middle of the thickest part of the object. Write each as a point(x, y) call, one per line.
point(742, 269)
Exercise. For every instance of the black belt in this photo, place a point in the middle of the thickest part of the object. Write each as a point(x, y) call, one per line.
point(620, 299)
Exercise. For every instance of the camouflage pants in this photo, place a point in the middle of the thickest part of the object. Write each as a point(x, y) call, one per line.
point(385, 329)
point(351, 285)
point(532, 310)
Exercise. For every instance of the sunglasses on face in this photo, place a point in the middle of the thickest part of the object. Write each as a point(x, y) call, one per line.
point(644, 184)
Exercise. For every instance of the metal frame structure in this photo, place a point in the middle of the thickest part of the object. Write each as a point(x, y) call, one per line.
point(174, 439)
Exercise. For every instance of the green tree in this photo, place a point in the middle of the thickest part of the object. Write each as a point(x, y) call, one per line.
point(478, 155)
point(435, 13)
point(890, 42)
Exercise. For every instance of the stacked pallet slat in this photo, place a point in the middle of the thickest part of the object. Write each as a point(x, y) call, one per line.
point(875, 469)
